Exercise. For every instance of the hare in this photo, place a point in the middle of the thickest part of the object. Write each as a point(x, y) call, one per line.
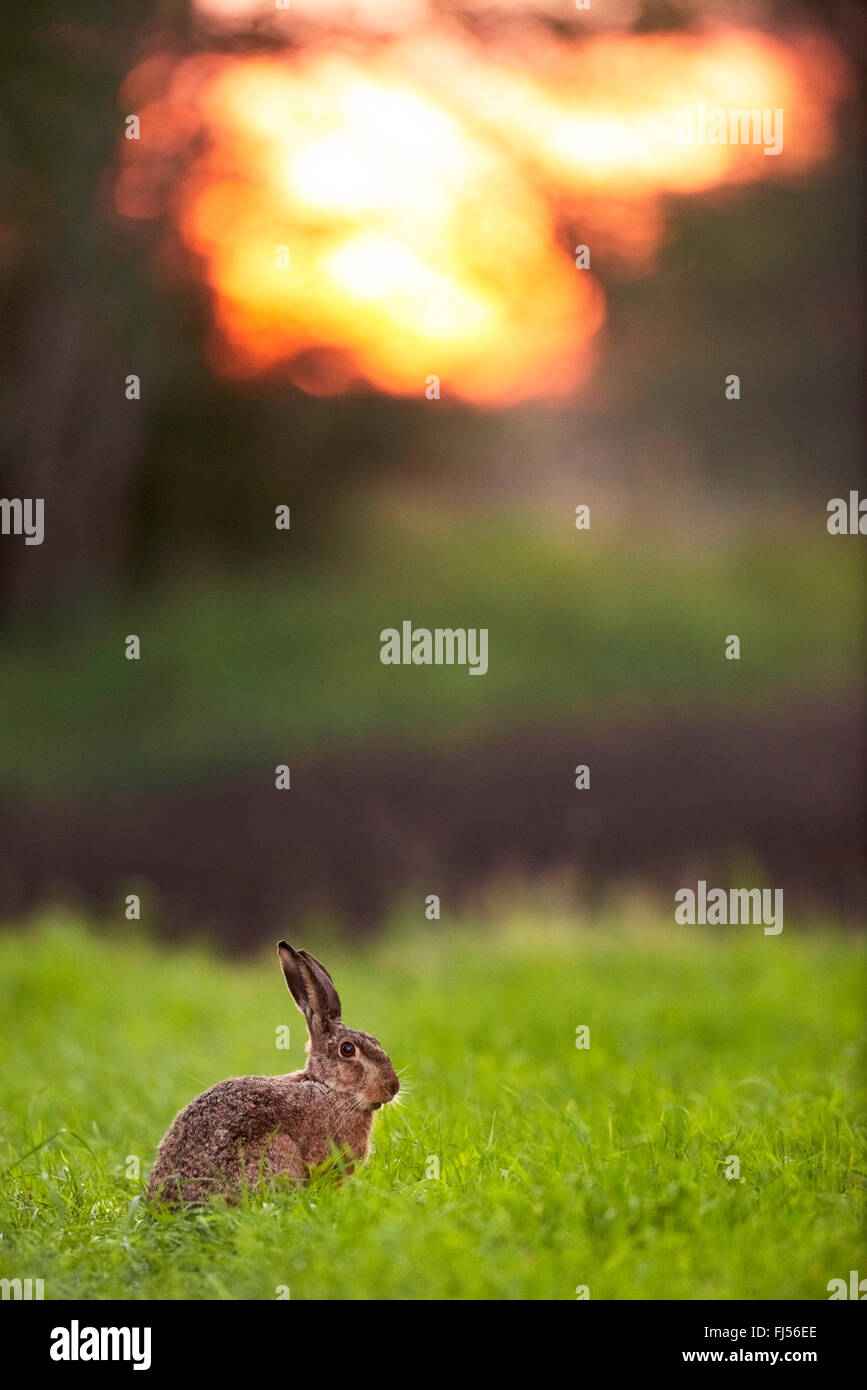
point(256, 1127)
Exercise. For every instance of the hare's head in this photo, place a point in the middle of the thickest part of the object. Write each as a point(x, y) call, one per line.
point(351, 1063)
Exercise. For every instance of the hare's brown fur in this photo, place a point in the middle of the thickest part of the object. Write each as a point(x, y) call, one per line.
point(263, 1127)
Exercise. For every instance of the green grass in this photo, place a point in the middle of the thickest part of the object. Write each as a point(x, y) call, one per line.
point(252, 670)
point(558, 1167)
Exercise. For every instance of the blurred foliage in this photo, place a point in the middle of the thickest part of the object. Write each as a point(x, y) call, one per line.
point(233, 670)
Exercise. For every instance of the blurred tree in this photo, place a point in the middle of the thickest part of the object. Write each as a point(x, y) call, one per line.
point(67, 290)
point(191, 472)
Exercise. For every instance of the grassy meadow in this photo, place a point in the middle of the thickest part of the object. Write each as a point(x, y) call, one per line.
point(558, 1167)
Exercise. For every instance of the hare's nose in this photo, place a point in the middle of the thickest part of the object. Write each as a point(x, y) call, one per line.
point(394, 1086)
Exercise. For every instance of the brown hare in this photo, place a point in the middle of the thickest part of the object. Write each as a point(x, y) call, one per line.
point(259, 1127)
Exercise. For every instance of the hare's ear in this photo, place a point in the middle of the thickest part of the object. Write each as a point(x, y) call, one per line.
point(311, 989)
point(328, 994)
point(296, 977)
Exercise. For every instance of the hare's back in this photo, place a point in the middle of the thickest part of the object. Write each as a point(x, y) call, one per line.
point(239, 1110)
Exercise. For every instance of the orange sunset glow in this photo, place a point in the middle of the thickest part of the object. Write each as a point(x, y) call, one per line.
point(428, 190)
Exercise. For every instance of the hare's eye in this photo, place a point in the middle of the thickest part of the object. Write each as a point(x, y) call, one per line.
point(347, 1049)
